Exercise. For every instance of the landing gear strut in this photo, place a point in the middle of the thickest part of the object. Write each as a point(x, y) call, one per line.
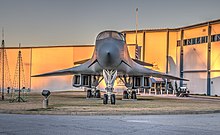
point(109, 76)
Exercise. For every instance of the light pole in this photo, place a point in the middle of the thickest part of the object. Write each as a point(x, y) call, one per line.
point(3, 64)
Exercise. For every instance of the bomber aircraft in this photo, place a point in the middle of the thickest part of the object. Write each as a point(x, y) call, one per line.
point(110, 60)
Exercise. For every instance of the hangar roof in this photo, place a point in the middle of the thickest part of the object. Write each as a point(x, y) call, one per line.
point(176, 29)
point(50, 46)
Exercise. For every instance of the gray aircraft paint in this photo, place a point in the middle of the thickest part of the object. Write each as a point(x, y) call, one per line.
point(110, 54)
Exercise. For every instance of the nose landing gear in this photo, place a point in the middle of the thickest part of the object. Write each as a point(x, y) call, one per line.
point(109, 77)
point(109, 98)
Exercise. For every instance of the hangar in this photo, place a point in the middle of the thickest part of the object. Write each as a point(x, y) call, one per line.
point(191, 52)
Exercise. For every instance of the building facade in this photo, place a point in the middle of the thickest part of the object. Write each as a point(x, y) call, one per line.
point(191, 52)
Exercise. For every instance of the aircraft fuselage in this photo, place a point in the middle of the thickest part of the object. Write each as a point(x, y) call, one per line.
point(109, 53)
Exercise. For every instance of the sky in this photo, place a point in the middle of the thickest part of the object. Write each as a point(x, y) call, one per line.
point(77, 22)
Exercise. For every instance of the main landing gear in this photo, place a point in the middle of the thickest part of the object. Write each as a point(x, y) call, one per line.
point(93, 93)
point(130, 94)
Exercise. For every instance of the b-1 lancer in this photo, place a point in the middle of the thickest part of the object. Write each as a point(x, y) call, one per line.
point(110, 60)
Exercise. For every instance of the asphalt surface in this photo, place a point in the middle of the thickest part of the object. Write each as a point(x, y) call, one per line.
point(201, 124)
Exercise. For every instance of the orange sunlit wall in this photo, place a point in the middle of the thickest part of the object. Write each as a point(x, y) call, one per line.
point(155, 47)
point(155, 50)
point(81, 53)
point(195, 56)
point(215, 62)
point(48, 60)
point(39, 60)
point(56, 58)
point(195, 59)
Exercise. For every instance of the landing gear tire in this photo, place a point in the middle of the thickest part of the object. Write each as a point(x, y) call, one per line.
point(133, 95)
point(125, 94)
point(89, 93)
point(113, 99)
point(98, 94)
point(105, 99)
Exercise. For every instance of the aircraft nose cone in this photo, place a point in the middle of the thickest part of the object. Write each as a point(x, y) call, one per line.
point(109, 56)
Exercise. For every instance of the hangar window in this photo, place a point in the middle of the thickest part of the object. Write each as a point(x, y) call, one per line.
point(189, 41)
point(218, 37)
point(204, 39)
point(198, 40)
point(215, 38)
point(193, 41)
point(185, 42)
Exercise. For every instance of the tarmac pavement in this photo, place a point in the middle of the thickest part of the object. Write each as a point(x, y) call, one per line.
point(195, 124)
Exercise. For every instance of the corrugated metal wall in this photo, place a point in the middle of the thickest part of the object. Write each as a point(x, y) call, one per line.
point(195, 56)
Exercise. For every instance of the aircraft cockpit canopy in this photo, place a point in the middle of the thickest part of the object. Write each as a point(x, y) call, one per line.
point(113, 34)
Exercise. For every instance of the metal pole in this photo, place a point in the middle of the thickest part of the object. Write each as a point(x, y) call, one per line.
point(167, 58)
point(30, 69)
point(136, 25)
point(3, 64)
point(209, 60)
point(143, 56)
point(136, 44)
point(167, 53)
point(181, 57)
point(19, 73)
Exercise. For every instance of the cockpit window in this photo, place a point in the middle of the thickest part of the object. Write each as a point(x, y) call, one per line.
point(103, 35)
point(116, 36)
point(113, 34)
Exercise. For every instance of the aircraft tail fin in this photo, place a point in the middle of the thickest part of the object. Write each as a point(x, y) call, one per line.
point(172, 66)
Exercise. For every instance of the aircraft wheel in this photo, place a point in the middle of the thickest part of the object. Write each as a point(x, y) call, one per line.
point(98, 94)
point(105, 99)
point(113, 99)
point(133, 95)
point(125, 94)
point(89, 93)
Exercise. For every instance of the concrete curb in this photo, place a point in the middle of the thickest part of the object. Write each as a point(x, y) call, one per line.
point(104, 113)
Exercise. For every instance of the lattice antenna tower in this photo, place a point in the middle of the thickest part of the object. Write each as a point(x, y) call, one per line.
point(19, 76)
point(4, 68)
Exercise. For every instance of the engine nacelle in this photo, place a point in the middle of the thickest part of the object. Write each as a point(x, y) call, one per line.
point(141, 82)
point(76, 80)
point(82, 80)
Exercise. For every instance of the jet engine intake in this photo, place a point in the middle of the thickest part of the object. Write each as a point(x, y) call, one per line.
point(141, 82)
point(82, 81)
